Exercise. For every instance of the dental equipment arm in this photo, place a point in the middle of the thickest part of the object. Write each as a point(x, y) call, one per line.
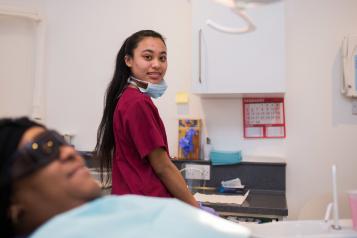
point(328, 212)
point(238, 7)
point(248, 28)
point(336, 224)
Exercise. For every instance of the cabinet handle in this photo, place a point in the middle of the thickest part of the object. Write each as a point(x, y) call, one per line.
point(199, 55)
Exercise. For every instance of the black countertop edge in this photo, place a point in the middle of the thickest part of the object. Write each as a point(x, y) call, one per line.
point(260, 211)
point(242, 162)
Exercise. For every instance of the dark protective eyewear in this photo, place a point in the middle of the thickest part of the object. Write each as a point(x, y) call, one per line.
point(37, 154)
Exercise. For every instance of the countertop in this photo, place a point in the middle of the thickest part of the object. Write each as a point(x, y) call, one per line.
point(259, 203)
point(265, 180)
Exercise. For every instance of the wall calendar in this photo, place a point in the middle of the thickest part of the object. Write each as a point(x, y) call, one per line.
point(264, 118)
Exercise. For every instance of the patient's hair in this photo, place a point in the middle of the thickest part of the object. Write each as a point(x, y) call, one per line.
point(11, 132)
point(105, 134)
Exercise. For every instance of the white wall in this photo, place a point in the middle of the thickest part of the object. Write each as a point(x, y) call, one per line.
point(321, 128)
point(83, 38)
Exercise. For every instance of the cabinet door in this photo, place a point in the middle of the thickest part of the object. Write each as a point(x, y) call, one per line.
point(238, 63)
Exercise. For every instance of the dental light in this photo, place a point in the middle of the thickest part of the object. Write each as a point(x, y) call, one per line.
point(239, 7)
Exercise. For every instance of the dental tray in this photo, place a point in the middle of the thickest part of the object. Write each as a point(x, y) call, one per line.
point(238, 190)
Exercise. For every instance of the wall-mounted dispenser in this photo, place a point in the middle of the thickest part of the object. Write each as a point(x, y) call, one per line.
point(349, 58)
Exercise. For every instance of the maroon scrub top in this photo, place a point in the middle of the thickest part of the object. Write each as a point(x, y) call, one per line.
point(138, 130)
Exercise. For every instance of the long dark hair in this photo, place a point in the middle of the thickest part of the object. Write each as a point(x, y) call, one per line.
point(105, 135)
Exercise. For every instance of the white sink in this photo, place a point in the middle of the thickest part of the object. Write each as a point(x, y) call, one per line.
point(302, 228)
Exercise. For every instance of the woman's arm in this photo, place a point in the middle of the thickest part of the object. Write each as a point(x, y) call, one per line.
point(171, 176)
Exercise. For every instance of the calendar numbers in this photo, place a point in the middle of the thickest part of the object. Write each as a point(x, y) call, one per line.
point(264, 117)
point(264, 113)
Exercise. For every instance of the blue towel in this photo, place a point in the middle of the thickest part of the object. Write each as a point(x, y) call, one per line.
point(225, 157)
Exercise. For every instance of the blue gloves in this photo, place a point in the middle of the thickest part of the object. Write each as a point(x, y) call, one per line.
point(208, 209)
point(186, 143)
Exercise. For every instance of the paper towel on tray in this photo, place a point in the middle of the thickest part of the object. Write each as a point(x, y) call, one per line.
point(215, 198)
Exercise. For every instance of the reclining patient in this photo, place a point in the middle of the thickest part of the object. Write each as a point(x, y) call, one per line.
point(46, 191)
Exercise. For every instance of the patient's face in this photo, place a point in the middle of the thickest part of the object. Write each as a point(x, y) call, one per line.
point(57, 187)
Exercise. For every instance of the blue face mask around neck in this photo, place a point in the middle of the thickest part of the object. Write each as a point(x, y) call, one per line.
point(154, 90)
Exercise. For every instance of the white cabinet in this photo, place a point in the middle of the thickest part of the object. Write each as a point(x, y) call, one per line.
point(238, 64)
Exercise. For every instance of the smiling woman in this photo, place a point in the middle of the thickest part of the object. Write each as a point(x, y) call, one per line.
point(149, 60)
point(131, 139)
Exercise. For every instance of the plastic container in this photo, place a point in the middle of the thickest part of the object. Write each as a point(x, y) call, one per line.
point(225, 157)
point(352, 196)
point(207, 149)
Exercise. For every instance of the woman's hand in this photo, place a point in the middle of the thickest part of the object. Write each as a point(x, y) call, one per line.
point(208, 209)
point(171, 176)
